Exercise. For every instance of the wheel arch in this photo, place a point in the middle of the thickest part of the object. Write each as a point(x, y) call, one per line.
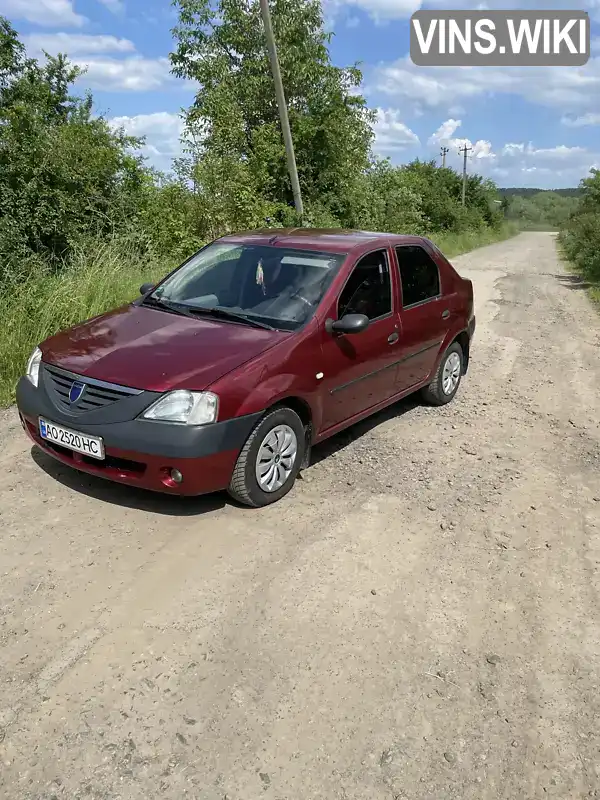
point(465, 344)
point(305, 412)
point(297, 404)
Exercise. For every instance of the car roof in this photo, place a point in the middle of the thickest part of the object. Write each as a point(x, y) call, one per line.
point(336, 240)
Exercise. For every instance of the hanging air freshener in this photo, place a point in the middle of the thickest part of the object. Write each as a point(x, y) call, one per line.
point(260, 276)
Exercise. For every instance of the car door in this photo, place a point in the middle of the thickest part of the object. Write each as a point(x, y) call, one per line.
point(359, 370)
point(424, 315)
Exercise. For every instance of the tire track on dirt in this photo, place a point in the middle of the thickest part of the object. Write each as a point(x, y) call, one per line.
point(420, 618)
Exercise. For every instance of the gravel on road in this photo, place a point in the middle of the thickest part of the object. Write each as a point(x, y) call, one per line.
point(418, 619)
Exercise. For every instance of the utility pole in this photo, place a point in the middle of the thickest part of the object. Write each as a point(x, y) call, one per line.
point(464, 150)
point(444, 152)
point(281, 105)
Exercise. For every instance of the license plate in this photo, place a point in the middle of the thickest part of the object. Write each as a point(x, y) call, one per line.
point(73, 440)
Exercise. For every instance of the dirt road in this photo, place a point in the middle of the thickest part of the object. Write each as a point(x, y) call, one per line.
point(419, 619)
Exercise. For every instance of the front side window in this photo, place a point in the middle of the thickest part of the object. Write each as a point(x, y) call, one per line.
point(419, 275)
point(279, 286)
point(368, 289)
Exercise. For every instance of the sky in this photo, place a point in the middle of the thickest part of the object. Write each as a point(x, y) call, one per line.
point(532, 126)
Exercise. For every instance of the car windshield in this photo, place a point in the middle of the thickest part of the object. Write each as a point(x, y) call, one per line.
point(278, 286)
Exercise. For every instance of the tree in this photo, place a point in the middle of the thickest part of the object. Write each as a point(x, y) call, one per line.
point(234, 116)
point(580, 234)
point(543, 209)
point(64, 173)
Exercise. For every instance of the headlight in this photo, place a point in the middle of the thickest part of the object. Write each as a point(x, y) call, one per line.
point(191, 408)
point(33, 366)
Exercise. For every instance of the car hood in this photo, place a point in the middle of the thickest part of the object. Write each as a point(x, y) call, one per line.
point(147, 348)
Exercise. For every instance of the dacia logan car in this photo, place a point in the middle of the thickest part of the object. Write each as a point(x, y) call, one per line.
point(226, 372)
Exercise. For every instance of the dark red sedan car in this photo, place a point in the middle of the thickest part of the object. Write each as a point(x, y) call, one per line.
point(225, 373)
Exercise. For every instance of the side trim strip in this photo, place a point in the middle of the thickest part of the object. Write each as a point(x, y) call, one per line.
point(387, 366)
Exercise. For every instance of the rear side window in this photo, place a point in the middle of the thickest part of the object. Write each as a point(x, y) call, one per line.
point(368, 290)
point(419, 275)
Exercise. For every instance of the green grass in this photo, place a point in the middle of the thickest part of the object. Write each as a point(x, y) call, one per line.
point(104, 276)
point(594, 294)
point(454, 244)
point(99, 278)
point(593, 284)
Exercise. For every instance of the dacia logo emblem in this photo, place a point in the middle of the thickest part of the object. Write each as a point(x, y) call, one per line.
point(75, 392)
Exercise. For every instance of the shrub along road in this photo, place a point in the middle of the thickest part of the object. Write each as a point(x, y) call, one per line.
point(419, 619)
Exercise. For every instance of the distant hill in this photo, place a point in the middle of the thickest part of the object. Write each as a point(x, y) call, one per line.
point(538, 209)
point(522, 192)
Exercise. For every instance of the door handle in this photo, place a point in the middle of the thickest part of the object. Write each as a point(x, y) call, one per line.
point(445, 314)
point(393, 337)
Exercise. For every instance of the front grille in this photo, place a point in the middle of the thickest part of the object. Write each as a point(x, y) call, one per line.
point(97, 394)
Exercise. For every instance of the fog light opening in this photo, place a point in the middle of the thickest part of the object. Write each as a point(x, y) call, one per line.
point(175, 475)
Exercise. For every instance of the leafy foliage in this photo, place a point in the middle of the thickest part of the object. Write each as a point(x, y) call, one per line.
point(546, 210)
point(513, 191)
point(234, 119)
point(67, 177)
point(64, 174)
point(580, 235)
point(84, 221)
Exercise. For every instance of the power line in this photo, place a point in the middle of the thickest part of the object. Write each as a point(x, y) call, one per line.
point(281, 105)
point(464, 150)
point(444, 152)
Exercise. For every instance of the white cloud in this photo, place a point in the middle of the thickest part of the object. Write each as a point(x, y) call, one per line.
point(480, 149)
point(131, 74)
point(559, 153)
point(52, 13)
point(114, 6)
point(515, 163)
point(75, 44)
point(444, 135)
point(391, 134)
point(580, 122)
point(445, 131)
point(522, 164)
point(512, 149)
point(383, 10)
point(162, 131)
point(570, 89)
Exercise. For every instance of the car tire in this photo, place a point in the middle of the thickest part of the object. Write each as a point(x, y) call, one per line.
point(447, 377)
point(279, 433)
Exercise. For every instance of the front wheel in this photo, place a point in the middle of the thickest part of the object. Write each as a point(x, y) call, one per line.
point(270, 460)
point(447, 377)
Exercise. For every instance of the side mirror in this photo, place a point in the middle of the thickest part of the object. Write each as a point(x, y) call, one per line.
point(349, 323)
point(146, 287)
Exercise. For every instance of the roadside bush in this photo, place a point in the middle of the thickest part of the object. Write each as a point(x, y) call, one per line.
point(580, 235)
point(581, 243)
point(84, 220)
point(541, 211)
point(64, 174)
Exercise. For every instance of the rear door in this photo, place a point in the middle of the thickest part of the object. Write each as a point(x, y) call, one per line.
point(425, 313)
point(359, 370)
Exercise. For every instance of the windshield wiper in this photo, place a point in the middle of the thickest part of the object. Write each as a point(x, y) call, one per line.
point(175, 308)
point(217, 311)
point(193, 311)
